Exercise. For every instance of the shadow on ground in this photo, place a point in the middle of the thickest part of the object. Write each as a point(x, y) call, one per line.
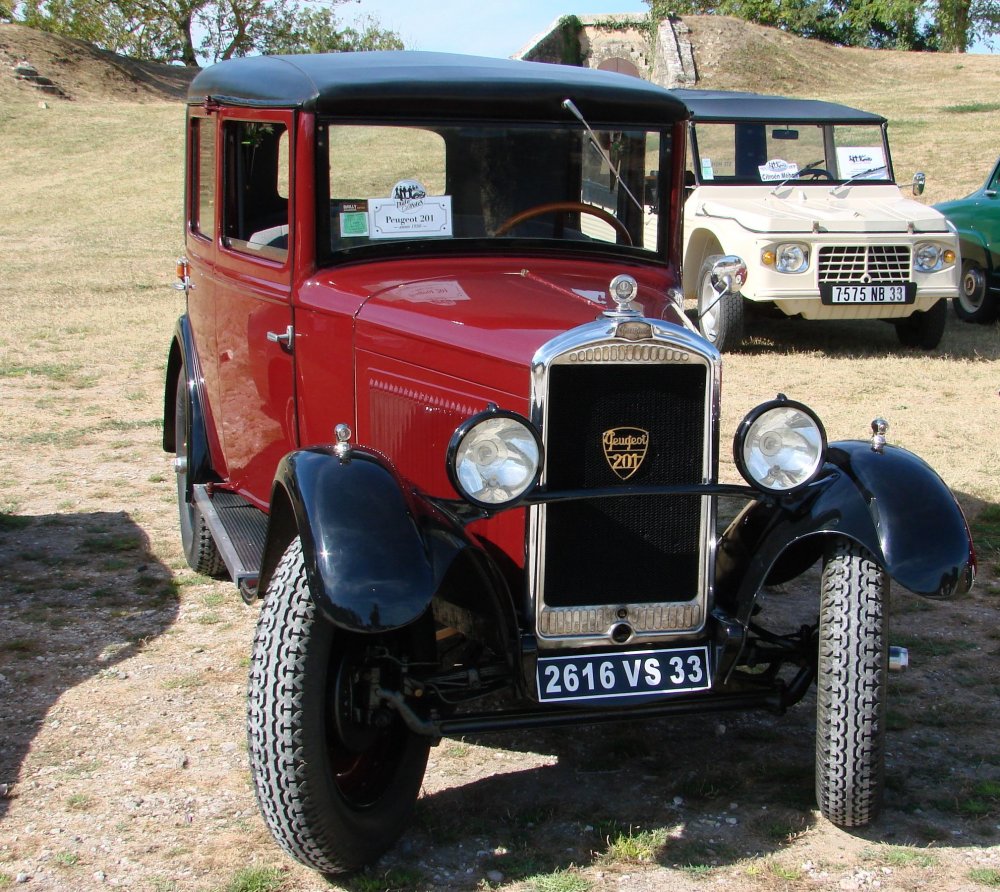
point(79, 594)
point(769, 334)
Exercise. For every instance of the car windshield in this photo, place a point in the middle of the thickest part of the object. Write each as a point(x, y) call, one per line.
point(435, 188)
point(751, 153)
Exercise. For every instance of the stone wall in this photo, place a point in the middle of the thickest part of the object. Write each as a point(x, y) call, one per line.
point(619, 42)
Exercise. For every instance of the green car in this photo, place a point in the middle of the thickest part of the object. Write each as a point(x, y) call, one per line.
point(977, 218)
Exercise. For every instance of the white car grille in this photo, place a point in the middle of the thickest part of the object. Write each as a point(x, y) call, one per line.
point(864, 263)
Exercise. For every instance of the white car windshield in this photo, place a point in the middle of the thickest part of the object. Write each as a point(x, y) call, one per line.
point(753, 153)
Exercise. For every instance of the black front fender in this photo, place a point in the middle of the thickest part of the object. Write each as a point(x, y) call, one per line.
point(375, 552)
point(891, 502)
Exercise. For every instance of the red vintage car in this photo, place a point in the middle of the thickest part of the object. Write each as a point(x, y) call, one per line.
point(434, 400)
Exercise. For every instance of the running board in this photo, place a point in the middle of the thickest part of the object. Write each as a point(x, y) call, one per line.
point(240, 533)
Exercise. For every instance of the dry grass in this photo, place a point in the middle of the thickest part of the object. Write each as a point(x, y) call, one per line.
point(126, 745)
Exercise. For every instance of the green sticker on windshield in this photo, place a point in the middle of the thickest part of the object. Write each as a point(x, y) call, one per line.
point(354, 224)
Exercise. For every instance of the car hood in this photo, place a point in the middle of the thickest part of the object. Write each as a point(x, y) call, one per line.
point(480, 319)
point(802, 209)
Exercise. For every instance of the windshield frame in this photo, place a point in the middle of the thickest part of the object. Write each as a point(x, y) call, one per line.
point(654, 192)
point(829, 130)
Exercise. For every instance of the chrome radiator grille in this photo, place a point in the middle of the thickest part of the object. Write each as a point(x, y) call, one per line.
point(642, 554)
point(864, 263)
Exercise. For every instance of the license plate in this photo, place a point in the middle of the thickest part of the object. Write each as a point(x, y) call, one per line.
point(637, 673)
point(905, 293)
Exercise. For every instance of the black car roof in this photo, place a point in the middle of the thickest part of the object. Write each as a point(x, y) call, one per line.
point(421, 85)
point(729, 105)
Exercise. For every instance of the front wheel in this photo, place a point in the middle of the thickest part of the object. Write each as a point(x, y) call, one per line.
point(720, 319)
point(851, 686)
point(974, 303)
point(923, 329)
point(336, 774)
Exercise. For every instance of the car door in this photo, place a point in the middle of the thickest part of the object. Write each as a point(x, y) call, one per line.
point(987, 219)
point(252, 284)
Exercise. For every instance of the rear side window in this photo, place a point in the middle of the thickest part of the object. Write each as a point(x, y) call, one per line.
point(203, 177)
point(255, 216)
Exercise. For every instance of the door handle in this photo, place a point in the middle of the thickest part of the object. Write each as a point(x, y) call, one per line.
point(282, 338)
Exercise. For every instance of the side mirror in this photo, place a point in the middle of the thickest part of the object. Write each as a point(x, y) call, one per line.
point(919, 181)
point(729, 274)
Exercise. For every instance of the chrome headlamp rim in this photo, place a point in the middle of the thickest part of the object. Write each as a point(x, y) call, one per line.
point(928, 250)
point(743, 430)
point(492, 413)
point(782, 252)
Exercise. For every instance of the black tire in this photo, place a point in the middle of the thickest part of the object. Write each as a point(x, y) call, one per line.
point(200, 550)
point(334, 793)
point(923, 330)
point(851, 686)
point(974, 302)
point(720, 319)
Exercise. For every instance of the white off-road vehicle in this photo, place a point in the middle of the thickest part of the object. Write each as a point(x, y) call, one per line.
point(804, 191)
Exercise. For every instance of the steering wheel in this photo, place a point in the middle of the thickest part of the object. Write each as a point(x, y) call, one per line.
point(814, 172)
point(565, 207)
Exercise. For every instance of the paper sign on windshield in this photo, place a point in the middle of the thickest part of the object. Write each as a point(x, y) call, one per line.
point(776, 170)
point(409, 213)
point(866, 162)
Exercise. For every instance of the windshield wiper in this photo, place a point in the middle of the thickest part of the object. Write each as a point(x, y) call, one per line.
point(857, 176)
point(570, 106)
point(797, 174)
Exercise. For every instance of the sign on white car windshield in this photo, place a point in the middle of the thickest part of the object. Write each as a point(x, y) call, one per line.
point(864, 162)
point(776, 170)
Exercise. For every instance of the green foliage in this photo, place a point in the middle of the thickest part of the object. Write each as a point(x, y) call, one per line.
point(256, 879)
point(304, 30)
point(569, 28)
point(557, 881)
point(967, 108)
point(986, 876)
point(950, 25)
point(162, 30)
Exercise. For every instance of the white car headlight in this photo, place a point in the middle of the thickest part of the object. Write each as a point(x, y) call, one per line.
point(791, 258)
point(929, 257)
point(494, 458)
point(780, 446)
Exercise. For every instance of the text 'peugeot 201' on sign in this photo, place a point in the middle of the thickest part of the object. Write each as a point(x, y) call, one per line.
point(436, 407)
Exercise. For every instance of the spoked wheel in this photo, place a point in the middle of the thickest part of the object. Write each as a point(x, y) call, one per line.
point(851, 686)
point(923, 329)
point(720, 319)
point(200, 550)
point(336, 776)
point(973, 303)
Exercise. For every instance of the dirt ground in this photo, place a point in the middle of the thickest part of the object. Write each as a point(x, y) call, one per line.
point(122, 673)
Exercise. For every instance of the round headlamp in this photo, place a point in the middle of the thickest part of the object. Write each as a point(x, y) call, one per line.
point(779, 446)
point(928, 257)
point(791, 258)
point(494, 458)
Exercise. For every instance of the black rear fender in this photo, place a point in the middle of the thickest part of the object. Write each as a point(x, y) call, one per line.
point(184, 356)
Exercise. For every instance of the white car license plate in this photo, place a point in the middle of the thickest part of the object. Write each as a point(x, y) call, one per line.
point(904, 293)
point(637, 673)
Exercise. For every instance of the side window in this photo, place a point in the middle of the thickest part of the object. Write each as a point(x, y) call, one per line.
point(255, 200)
point(994, 183)
point(203, 177)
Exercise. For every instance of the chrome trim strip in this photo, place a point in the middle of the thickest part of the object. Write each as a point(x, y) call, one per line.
point(600, 342)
